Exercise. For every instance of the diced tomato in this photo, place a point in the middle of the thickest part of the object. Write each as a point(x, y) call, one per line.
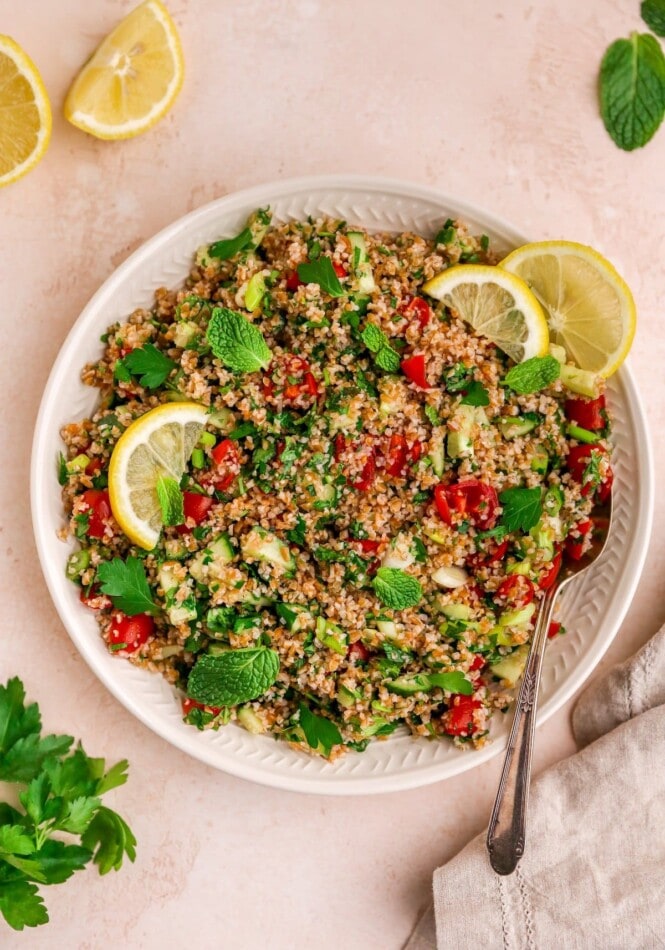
point(417, 309)
point(367, 546)
point(458, 720)
point(414, 368)
point(475, 499)
point(189, 704)
point(553, 628)
point(96, 503)
point(575, 546)
point(550, 573)
point(225, 457)
point(478, 663)
point(340, 269)
point(441, 502)
point(94, 599)
point(577, 461)
point(367, 475)
point(293, 281)
point(195, 507)
point(131, 632)
point(397, 455)
point(339, 446)
point(491, 555)
point(517, 590)
point(415, 451)
point(357, 652)
point(299, 379)
point(93, 468)
point(588, 413)
point(604, 490)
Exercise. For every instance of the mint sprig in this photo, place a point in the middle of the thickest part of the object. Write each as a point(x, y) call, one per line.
point(125, 582)
point(170, 500)
point(237, 342)
point(532, 375)
point(632, 90)
point(653, 14)
point(236, 676)
point(378, 344)
point(397, 589)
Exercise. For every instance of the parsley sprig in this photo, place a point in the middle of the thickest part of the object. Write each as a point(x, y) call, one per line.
point(62, 796)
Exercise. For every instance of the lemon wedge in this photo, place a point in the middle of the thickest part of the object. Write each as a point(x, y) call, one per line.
point(589, 307)
point(496, 304)
point(160, 442)
point(132, 79)
point(25, 126)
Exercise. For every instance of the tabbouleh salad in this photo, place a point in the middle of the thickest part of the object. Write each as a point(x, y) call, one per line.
point(374, 506)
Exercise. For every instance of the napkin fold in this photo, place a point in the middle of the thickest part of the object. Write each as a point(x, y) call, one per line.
point(593, 872)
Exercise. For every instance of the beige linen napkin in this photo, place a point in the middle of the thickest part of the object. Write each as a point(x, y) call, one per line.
point(593, 874)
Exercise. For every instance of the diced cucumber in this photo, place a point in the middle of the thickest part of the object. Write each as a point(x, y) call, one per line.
point(553, 500)
point(77, 464)
point(181, 613)
point(216, 555)
point(408, 685)
point(175, 548)
point(221, 418)
point(436, 450)
point(261, 545)
point(517, 618)
point(540, 462)
point(503, 637)
point(77, 562)
point(520, 567)
point(364, 276)
point(258, 223)
point(392, 396)
point(436, 535)
point(216, 649)
point(184, 332)
point(456, 611)
point(249, 720)
point(513, 426)
point(580, 381)
point(544, 536)
point(387, 627)
point(331, 636)
point(299, 612)
point(511, 667)
point(450, 577)
point(254, 292)
point(582, 435)
point(347, 697)
point(166, 576)
point(460, 432)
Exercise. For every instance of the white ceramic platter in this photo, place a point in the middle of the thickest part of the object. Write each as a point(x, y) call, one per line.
point(592, 609)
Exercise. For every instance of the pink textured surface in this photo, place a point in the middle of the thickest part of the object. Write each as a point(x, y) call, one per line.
point(498, 108)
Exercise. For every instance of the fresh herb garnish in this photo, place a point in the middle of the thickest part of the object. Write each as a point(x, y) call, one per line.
point(632, 90)
point(237, 342)
point(297, 534)
point(432, 415)
point(321, 272)
point(653, 14)
point(170, 500)
point(229, 247)
point(476, 395)
point(397, 589)
point(378, 344)
point(457, 378)
point(126, 584)
point(532, 375)
point(453, 682)
point(419, 550)
point(321, 733)
point(147, 362)
point(63, 795)
point(236, 676)
point(288, 615)
point(396, 655)
point(62, 469)
point(522, 508)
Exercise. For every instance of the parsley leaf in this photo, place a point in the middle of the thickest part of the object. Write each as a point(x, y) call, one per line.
point(170, 500)
point(432, 415)
point(321, 272)
point(476, 395)
point(236, 676)
point(22, 749)
point(126, 584)
point(532, 375)
point(149, 363)
point(397, 589)
point(288, 615)
point(109, 838)
point(632, 90)
point(297, 534)
point(522, 508)
point(457, 378)
point(237, 342)
point(321, 733)
point(21, 905)
point(228, 247)
point(62, 469)
point(653, 14)
point(453, 682)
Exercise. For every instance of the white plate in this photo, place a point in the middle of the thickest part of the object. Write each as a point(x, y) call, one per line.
point(592, 610)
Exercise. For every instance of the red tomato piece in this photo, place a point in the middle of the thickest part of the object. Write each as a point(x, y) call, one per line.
point(550, 573)
point(588, 413)
point(367, 546)
point(415, 451)
point(196, 507)
point(553, 628)
point(339, 446)
point(94, 599)
point(476, 499)
point(397, 454)
point(495, 553)
point(93, 468)
point(517, 590)
point(574, 545)
point(417, 309)
point(189, 704)
point(604, 490)
point(441, 502)
point(225, 457)
point(357, 652)
point(367, 475)
point(293, 281)
point(414, 368)
point(340, 269)
point(96, 503)
point(131, 632)
point(577, 461)
point(478, 663)
point(458, 720)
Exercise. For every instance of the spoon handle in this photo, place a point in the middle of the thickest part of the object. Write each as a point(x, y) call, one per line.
point(507, 827)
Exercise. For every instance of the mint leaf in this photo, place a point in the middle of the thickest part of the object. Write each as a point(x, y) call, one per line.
point(454, 682)
point(321, 733)
point(233, 677)
point(387, 359)
point(397, 589)
point(373, 338)
point(653, 14)
point(110, 839)
point(476, 395)
point(532, 375)
point(21, 905)
point(632, 90)
point(321, 272)
point(522, 508)
point(170, 500)
point(229, 247)
point(126, 584)
point(237, 342)
point(149, 363)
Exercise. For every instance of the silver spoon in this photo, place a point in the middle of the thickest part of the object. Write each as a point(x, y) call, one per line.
point(507, 828)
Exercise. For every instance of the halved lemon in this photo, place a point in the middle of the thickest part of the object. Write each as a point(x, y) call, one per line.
point(589, 307)
point(160, 442)
point(132, 79)
point(25, 113)
point(496, 304)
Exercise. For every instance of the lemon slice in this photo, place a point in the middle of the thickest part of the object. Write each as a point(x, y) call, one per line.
point(496, 304)
point(159, 442)
point(132, 79)
point(25, 113)
point(589, 307)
